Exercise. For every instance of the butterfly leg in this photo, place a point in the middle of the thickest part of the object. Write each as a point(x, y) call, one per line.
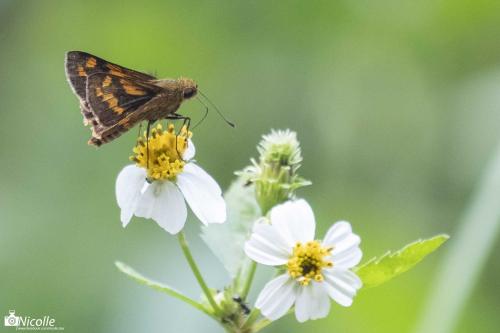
point(185, 120)
point(139, 134)
point(148, 128)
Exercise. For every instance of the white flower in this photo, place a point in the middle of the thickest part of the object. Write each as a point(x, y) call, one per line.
point(315, 270)
point(157, 186)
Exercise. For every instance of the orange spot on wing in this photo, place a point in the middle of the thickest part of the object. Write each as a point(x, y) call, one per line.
point(81, 71)
point(125, 122)
point(116, 73)
point(131, 89)
point(118, 109)
point(91, 62)
point(112, 103)
point(98, 91)
point(107, 81)
point(115, 70)
point(110, 99)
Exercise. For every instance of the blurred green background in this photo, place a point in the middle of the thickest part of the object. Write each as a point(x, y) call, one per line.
point(396, 104)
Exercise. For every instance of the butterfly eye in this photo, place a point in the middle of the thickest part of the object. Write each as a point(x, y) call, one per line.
point(189, 92)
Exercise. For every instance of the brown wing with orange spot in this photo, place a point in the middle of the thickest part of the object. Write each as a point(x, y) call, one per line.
point(112, 98)
point(80, 65)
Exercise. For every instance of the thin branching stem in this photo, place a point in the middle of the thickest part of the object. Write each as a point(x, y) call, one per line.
point(194, 268)
point(249, 280)
point(264, 322)
point(261, 325)
point(252, 318)
point(129, 271)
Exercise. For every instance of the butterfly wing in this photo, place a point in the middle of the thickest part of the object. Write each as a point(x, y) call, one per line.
point(112, 98)
point(80, 65)
point(117, 104)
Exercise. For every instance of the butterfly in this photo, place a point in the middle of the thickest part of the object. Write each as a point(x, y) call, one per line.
point(113, 98)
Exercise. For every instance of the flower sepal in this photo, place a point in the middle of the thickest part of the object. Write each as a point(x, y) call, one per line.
point(234, 310)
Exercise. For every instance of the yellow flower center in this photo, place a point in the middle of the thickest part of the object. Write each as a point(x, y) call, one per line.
point(307, 262)
point(161, 153)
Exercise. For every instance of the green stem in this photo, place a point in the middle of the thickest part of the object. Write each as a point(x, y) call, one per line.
point(130, 272)
point(261, 325)
point(254, 314)
point(264, 322)
point(252, 317)
point(194, 268)
point(248, 282)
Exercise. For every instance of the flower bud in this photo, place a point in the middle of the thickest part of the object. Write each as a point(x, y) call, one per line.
point(275, 174)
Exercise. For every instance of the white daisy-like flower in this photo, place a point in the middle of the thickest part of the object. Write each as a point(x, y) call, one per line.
point(315, 271)
point(157, 185)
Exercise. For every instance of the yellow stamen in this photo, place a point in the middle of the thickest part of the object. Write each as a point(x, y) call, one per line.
point(164, 150)
point(307, 262)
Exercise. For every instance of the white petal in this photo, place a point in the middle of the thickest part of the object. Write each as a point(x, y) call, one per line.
point(345, 243)
point(202, 193)
point(277, 297)
point(347, 259)
point(303, 303)
point(322, 304)
point(204, 177)
point(189, 152)
point(266, 246)
point(294, 220)
point(337, 233)
point(312, 302)
point(163, 202)
point(341, 285)
point(128, 189)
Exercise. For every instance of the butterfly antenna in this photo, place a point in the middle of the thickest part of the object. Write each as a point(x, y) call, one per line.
point(216, 109)
point(204, 115)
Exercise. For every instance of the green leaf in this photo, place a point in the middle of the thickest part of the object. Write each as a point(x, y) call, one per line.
point(130, 272)
point(226, 240)
point(380, 270)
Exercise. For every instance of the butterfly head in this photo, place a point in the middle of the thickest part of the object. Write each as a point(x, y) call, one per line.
point(189, 87)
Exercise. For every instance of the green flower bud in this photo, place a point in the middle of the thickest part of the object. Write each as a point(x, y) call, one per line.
point(275, 174)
